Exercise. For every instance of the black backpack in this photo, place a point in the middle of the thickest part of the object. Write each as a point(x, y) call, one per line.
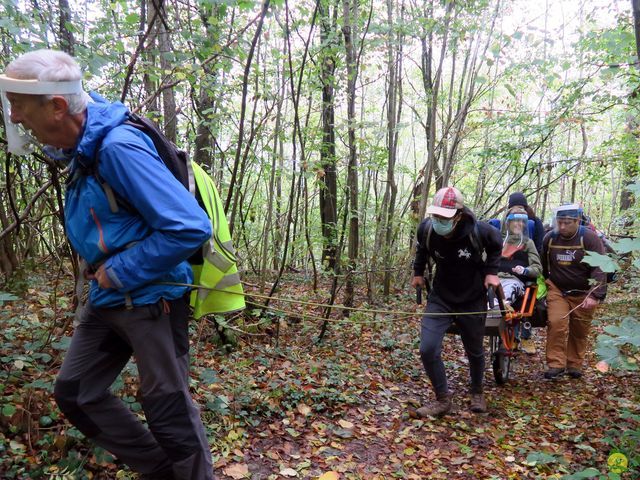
point(176, 161)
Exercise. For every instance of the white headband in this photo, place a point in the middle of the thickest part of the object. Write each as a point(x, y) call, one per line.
point(36, 87)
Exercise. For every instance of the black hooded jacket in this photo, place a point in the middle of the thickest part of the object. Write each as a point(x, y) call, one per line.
point(460, 270)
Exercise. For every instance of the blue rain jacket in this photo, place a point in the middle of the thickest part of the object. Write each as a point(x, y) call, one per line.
point(142, 245)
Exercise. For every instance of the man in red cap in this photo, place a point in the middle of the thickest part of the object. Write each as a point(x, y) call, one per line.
point(466, 253)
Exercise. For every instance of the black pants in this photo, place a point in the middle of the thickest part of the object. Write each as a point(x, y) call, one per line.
point(175, 441)
point(432, 333)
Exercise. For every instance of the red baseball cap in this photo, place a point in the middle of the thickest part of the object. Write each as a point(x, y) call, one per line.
point(446, 202)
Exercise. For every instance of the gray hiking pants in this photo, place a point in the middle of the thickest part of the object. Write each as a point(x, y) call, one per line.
point(433, 329)
point(174, 444)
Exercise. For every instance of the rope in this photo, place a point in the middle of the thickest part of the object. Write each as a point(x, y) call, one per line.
point(322, 319)
point(325, 305)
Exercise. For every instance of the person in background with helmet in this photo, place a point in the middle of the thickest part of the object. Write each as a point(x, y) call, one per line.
point(466, 253)
point(519, 264)
point(575, 290)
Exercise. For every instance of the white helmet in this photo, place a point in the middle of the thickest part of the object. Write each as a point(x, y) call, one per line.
point(19, 141)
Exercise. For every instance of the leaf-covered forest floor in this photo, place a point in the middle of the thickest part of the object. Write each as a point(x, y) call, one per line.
point(300, 409)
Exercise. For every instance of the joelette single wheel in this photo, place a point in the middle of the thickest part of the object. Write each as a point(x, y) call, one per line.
point(501, 362)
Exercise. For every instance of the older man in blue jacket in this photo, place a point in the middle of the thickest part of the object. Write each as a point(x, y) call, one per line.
point(133, 254)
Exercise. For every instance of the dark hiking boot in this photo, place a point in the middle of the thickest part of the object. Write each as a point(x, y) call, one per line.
point(574, 372)
point(478, 403)
point(441, 406)
point(553, 373)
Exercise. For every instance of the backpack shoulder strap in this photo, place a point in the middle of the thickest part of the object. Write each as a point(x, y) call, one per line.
point(476, 239)
point(174, 159)
point(424, 232)
point(581, 231)
point(552, 236)
point(424, 237)
point(476, 242)
point(115, 201)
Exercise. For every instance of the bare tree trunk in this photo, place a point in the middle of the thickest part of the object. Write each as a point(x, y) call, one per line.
point(281, 224)
point(232, 194)
point(349, 10)
point(545, 197)
point(166, 49)
point(328, 180)
point(431, 87)
point(67, 41)
point(635, 4)
point(271, 193)
point(206, 101)
point(8, 259)
point(150, 86)
point(394, 110)
point(630, 168)
point(630, 172)
point(296, 138)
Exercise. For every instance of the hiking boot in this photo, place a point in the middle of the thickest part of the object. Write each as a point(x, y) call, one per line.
point(478, 403)
point(528, 346)
point(574, 372)
point(441, 406)
point(553, 373)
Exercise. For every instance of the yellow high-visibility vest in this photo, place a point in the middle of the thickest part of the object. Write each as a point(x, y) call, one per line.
point(220, 288)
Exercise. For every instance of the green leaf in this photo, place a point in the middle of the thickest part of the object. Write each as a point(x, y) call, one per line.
point(45, 421)
point(634, 188)
point(606, 350)
point(6, 297)
point(8, 410)
point(626, 245)
point(588, 473)
point(246, 4)
point(132, 19)
point(208, 376)
point(606, 263)
point(62, 344)
point(542, 458)
point(627, 332)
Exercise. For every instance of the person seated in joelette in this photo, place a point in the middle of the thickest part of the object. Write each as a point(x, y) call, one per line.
point(519, 263)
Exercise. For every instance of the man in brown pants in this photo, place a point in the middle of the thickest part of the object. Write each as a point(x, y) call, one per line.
point(575, 290)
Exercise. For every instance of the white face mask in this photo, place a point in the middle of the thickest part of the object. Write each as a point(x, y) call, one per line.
point(19, 141)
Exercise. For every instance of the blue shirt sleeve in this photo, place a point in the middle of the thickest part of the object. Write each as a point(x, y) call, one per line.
point(130, 164)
